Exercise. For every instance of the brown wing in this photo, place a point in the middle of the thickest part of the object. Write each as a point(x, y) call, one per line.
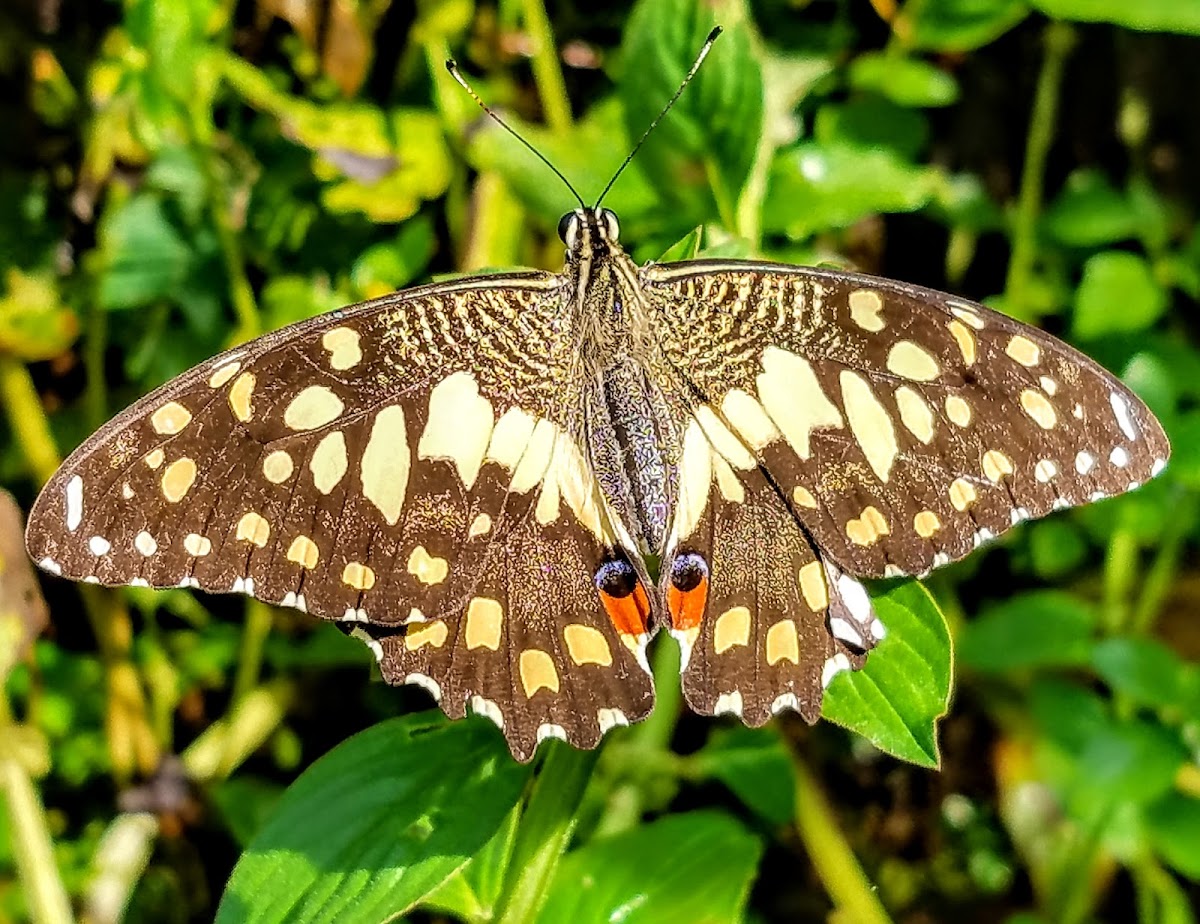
point(405, 466)
point(903, 426)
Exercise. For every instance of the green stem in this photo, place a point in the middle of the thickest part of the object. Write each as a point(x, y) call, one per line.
point(1160, 577)
point(546, 71)
point(852, 893)
point(1059, 39)
point(1120, 572)
point(27, 419)
point(44, 891)
point(1075, 874)
point(243, 730)
point(255, 630)
point(545, 831)
point(95, 344)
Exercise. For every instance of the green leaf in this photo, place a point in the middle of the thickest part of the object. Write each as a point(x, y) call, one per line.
point(905, 81)
point(872, 122)
point(755, 764)
point(816, 187)
point(1147, 15)
point(1036, 629)
point(897, 698)
point(472, 892)
point(1090, 212)
point(1118, 294)
point(1173, 828)
point(1145, 670)
point(701, 155)
point(960, 25)
point(34, 323)
point(245, 803)
point(684, 868)
point(377, 824)
point(145, 257)
point(1056, 547)
point(1133, 762)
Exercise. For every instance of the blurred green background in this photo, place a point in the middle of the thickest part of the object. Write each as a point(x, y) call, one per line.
point(178, 177)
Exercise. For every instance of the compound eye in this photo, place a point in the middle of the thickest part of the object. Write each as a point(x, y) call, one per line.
point(568, 225)
point(612, 228)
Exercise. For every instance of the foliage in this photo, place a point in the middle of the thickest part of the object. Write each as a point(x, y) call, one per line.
point(179, 177)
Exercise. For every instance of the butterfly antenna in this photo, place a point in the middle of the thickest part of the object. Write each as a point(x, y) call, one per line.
point(708, 43)
point(454, 72)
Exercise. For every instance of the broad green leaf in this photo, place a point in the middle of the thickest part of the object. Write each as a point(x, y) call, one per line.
point(1145, 670)
point(1056, 547)
point(144, 255)
point(816, 187)
point(682, 869)
point(756, 765)
point(1090, 212)
point(376, 825)
point(905, 81)
point(1035, 629)
point(245, 803)
point(1118, 294)
point(959, 25)
point(700, 155)
point(1185, 448)
point(391, 265)
point(1173, 827)
point(1147, 15)
point(871, 121)
point(472, 892)
point(1131, 761)
point(896, 699)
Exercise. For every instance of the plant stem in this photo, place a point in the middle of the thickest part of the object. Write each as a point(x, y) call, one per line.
point(852, 893)
point(27, 419)
point(1160, 576)
point(255, 630)
point(545, 830)
point(1059, 39)
point(38, 873)
point(546, 71)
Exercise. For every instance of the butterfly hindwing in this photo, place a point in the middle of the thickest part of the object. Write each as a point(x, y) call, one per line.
point(904, 426)
point(404, 467)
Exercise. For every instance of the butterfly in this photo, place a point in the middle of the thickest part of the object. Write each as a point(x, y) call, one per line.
point(471, 477)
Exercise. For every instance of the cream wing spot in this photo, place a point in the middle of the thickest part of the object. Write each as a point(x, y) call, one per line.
point(911, 361)
point(967, 315)
point(1084, 462)
point(813, 586)
point(727, 482)
point(870, 423)
point(535, 461)
point(223, 374)
point(278, 467)
point(485, 619)
point(728, 446)
point(803, 497)
point(98, 546)
point(868, 528)
point(329, 462)
point(793, 398)
point(241, 392)
point(171, 418)
point(866, 306)
point(358, 576)
point(154, 458)
point(958, 411)
point(1038, 408)
point(432, 633)
point(783, 643)
point(1045, 471)
point(1024, 351)
point(196, 545)
point(386, 462)
point(962, 494)
point(915, 414)
point(749, 418)
point(586, 645)
point(965, 340)
point(537, 672)
point(510, 436)
point(342, 346)
point(426, 568)
point(253, 528)
point(926, 523)
point(145, 544)
point(178, 479)
point(459, 427)
point(695, 475)
point(304, 552)
point(732, 628)
point(74, 497)
point(314, 407)
point(480, 526)
point(996, 465)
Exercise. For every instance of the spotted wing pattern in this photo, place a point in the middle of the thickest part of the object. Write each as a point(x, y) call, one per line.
point(840, 426)
point(408, 468)
point(903, 427)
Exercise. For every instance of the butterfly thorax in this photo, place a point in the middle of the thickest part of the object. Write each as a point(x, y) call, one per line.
point(631, 440)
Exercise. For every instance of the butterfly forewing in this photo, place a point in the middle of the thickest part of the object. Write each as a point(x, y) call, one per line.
point(405, 467)
point(903, 427)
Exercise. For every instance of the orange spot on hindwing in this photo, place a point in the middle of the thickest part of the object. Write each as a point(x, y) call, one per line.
point(623, 596)
point(687, 595)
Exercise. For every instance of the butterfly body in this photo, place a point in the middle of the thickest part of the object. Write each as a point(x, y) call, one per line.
point(471, 476)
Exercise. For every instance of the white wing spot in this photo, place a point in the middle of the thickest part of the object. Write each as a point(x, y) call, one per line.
point(74, 503)
point(98, 545)
point(1124, 414)
point(424, 680)
point(729, 704)
point(1084, 462)
point(145, 543)
point(1119, 457)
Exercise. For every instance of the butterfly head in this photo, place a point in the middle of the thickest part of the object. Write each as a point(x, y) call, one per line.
point(586, 230)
